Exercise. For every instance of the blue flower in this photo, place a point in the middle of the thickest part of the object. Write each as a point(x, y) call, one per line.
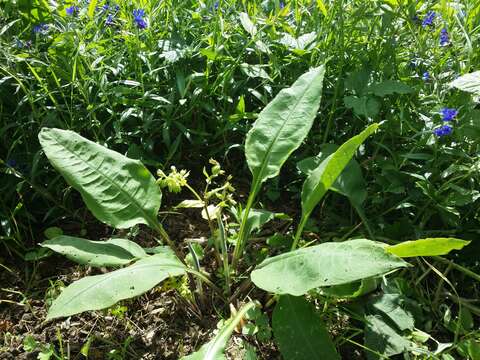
point(428, 21)
point(443, 130)
point(448, 114)
point(40, 29)
point(138, 15)
point(426, 76)
point(11, 163)
point(71, 10)
point(215, 5)
point(444, 38)
point(282, 4)
point(109, 21)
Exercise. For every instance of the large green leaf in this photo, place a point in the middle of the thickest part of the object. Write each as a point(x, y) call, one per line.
point(349, 183)
point(299, 331)
point(427, 247)
point(394, 307)
point(324, 176)
point(280, 129)
point(299, 271)
point(468, 82)
point(113, 252)
point(119, 191)
point(282, 125)
point(102, 291)
point(213, 350)
point(382, 338)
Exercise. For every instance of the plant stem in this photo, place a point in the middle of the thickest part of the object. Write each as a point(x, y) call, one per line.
point(299, 232)
point(159, 228)
point(207, 281)
point(223, 247)
point(239, 246)
point(196, 263)
point(205, 207)
point(460, 268)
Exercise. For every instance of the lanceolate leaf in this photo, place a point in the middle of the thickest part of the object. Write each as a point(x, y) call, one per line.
point(119, 191)
point(280, 129)
point(322, 178)
point(91, 8)
point(299, 271)
point(113, 252)
point(282, 126)
point(102, 291)
point(468, 82)
point(213, 350)
point(349, 183)
point(299, 331)
point(427, 247)
point(247, 24)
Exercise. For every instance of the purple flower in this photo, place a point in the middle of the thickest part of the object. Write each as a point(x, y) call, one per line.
point(448, 114)
point(282, 4)
point(444, 38)
point(138, 15)
point(426, 76)
point(428, 21)
point(71, 10)
point(443, 130)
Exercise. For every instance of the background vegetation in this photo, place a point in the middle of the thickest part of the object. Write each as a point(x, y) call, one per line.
point(183, 82)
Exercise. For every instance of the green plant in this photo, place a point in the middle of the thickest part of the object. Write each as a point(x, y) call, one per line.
point(122, 193)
